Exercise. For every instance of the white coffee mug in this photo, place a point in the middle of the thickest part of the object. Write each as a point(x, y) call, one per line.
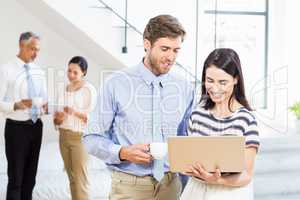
point(158, 150)
point(37, 101)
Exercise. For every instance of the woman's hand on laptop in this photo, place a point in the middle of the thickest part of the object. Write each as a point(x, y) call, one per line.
point(198, 171)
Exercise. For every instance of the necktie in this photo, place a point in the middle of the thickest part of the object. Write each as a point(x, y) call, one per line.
point(31, 93)
point(158, 165)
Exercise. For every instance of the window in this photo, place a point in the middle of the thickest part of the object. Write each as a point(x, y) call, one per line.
point(242, 26)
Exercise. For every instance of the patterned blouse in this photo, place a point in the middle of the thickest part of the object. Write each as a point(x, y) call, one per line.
point(241, 123)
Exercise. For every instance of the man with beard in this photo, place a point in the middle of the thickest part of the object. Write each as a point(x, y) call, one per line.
point(22, 82)
point(139, 106)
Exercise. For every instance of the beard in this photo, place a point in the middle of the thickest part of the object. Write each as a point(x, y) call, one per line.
point(156, 67)
point(154, 63)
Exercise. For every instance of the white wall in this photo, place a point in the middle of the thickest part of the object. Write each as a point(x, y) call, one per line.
point(276, 115)
point(55, 49)
point(140, 12)
point(292, 30)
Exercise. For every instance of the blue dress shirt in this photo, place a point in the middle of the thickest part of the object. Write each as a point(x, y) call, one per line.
point(123, 115)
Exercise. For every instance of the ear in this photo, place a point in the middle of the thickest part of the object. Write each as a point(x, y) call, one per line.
point(21, 45)
point(235, 81)
point(147, 45)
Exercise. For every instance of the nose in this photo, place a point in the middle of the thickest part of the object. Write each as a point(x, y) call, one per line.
point(34, 54)
point(214, 88)
point(171, 56)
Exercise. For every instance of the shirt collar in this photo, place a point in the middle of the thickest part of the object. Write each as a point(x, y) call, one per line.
point(21, 63)
point(149, 77)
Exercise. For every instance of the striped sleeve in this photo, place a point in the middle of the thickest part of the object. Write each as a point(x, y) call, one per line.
point(190, 126)
point(252, 135)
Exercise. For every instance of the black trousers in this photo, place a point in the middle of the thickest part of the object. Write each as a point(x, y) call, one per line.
point(22, 147)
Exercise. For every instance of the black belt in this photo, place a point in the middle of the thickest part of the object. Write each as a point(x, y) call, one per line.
point(27, 122)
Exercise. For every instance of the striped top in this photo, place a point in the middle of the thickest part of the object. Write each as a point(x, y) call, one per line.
point(242, 123)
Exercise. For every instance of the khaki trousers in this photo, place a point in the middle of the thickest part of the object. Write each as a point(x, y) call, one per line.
point(130, 187)
point(75, 160)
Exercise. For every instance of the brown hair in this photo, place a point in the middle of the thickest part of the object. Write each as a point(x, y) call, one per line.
point(163, 26)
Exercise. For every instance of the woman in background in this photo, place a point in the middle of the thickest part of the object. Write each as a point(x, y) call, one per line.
point(78, 99)
point(223, 109)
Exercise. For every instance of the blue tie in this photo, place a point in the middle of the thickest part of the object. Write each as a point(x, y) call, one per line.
point(158, 165)
point(34, 112)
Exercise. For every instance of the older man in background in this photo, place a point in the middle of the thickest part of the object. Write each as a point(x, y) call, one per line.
point(23, 100)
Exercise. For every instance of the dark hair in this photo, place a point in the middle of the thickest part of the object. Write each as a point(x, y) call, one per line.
point(163, 26)
point(81, 61)
point(227, 60)
point(27, 36)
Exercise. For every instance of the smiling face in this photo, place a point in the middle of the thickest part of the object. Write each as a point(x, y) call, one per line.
point(219, 84)
point(162, 54)
point(75, 73)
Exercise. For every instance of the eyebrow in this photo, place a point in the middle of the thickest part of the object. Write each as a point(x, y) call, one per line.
point(218, 80)
point(170, 47)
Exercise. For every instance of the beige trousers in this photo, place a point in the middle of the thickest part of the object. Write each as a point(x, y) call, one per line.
point(75, 161)
point(130, 187)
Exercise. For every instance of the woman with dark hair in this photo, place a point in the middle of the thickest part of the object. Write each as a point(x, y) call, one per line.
point(223, 109)
point(78, 99)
